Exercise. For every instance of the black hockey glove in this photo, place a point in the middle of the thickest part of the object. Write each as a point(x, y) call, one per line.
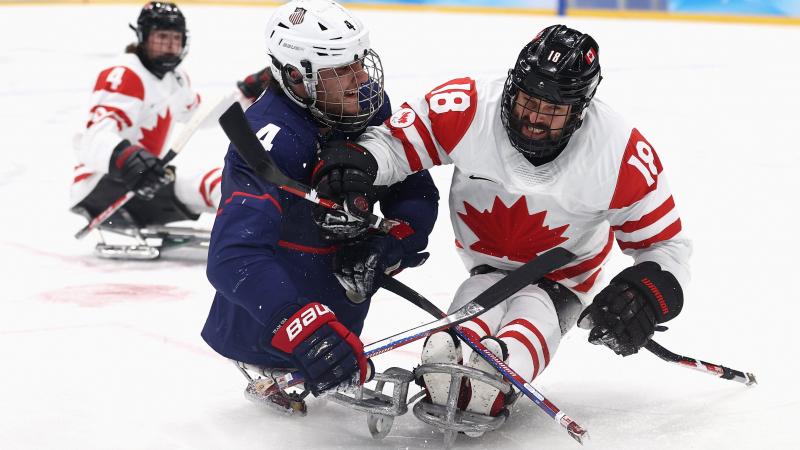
point(360, 266)
point(138, 169)
point(324, 350)
point(255, 84)
point(624, 315)
point(345, 174)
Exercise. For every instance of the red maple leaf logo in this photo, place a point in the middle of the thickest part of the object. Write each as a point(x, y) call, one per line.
point(511, 232)
point(153, 138)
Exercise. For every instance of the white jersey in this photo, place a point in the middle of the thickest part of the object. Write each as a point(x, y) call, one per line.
point(607, 184)
point(129, 102)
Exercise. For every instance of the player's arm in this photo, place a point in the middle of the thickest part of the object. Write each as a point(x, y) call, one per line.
point(117, 104)
point(417, 136)
point(243, 267)
point(647, 226)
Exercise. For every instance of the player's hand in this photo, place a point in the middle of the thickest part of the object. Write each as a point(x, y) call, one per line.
point(624, 315)
point(138, 169)
point(321, 347)
point(253, 85)
point(359, 266)
point(344, 173)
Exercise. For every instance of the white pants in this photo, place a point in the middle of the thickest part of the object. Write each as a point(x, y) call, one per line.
point(526, 322)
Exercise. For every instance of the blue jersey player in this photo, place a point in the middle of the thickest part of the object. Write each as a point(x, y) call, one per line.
point(293, 280)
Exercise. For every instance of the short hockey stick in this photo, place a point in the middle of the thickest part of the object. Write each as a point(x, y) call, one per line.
point(203, 112)
point(576, 431)
point(497, 293)
point(237, 128)
point(726, 373)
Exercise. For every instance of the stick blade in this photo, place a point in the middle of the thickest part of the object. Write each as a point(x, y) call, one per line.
point(524, 275)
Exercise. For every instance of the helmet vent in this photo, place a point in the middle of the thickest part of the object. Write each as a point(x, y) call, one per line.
point(280, 24)
point(322, 27)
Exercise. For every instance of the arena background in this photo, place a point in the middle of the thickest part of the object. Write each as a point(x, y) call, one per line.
point(737, 11)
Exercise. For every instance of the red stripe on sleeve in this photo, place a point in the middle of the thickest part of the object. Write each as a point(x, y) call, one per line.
point(411, 154)
point(430, 147)
point(648, 219)
point(665, 234)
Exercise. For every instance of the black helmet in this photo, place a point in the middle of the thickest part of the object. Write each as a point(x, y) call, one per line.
point(160, 16)
point(560, 66)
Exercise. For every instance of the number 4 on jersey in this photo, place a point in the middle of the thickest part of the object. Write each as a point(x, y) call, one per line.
point(638, 172)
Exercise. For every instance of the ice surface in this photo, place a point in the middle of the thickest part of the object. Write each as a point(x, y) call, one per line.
point(102, 354)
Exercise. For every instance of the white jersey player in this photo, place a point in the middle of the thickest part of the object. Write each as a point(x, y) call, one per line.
point(538, 164)
point(134, 105)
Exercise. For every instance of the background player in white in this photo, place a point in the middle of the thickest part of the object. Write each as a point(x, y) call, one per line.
point(134, 105)
point(538, 164)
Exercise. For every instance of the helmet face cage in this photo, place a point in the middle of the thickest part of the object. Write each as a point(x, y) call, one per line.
point(553, 123)
point(322, 59)
point(346, 98)
point(162, 16)
point(547, 92)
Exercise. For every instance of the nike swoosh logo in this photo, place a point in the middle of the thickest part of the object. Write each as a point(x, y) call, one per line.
point(475, 177)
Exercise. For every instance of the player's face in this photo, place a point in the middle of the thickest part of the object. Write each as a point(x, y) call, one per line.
point(539, 119)
point(337, 89)
point(164, 42)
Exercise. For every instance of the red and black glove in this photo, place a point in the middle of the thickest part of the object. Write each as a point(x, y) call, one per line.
point(321, 347)
point(624, 315)
point(138, 169)
point(253, 85)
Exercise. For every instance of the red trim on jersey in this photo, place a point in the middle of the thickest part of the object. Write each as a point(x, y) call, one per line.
point(516, 335)
point(411, 154)
point(116, 114)
point(259, 197)
point(425, 135)
point(128, 83)
point(307, 249)
point(667, 233)
point(532, 328)
point(585, 266)
point(82, 177)
point(202, 188)
point(587, 284)
point(648, 219)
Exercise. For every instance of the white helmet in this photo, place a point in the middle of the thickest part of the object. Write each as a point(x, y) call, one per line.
point(305, 37)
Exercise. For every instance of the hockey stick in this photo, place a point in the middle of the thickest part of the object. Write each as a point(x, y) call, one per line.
point(576, 431)
point(746, 378)
point(497, 293)
point(203, 112)
point(237, 128)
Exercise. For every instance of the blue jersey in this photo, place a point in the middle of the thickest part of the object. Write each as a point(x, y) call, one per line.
point(266, 252)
